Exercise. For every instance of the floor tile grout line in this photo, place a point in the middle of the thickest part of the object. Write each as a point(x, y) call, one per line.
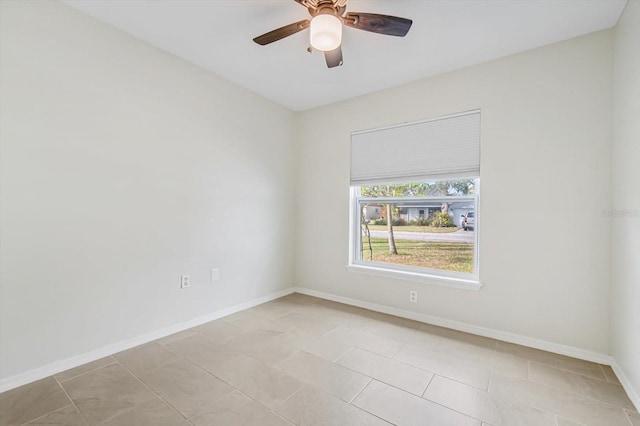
point(183, 335)
point(574, 372)
point(386, 358)
point(431, 351)
point(372, 336)
point(383, 381)
point(447, 377)
point(152, 390)
point(433, 376)
point(428, 400)
point(402, 345)
point(569, 393)
point(572, 392)
point(564, 370)
point(158, 367)
point(604, 374)
point(264, 406)
point(240, 391)
point(546, 364)
point(258, 402)
point(333, 360)
point(482, 421)
point(277, 415)
point(292, 395)
point(626, 413)
point(329, 331)
point(493, 394)
point(50, 412)
point(335, 365)
point(578, 423)
point(558, 417)
point(261, 362)
point(343, 355)
point(71, 399)
point(379, 380)
point(495, 345)
point(371, 379)
point(400, 389)
point(446, 351)
point(372, 414)
point(86, 372)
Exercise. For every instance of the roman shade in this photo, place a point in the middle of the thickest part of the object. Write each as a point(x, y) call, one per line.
point(437, 149)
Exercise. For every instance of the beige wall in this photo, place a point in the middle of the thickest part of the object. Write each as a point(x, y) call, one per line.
point(545, 178)
point(124, 167)
point(626, 197)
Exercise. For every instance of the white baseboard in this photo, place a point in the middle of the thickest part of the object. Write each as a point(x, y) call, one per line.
point(468, 328)
point(633, 394)
point(65, 364)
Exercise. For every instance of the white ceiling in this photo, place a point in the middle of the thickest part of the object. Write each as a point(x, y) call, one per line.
point(446, 35)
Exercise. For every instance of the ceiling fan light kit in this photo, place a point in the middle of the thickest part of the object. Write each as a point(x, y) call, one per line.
point(325, 27)
point(325, 32)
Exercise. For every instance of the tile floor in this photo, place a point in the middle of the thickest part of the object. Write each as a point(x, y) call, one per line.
point(305, 361)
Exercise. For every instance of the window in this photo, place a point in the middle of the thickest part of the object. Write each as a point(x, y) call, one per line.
point(443, 242)
point(414, 194)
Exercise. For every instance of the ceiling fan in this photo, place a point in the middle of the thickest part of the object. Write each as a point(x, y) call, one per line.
point(325, 27)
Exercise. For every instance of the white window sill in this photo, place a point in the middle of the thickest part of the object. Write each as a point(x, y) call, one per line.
point(453, 282)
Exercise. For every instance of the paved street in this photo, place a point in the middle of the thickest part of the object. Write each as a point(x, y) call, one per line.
point(458, 237)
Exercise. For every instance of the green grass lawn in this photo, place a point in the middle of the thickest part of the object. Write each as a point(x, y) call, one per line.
point(409, 228)
point(448, 256)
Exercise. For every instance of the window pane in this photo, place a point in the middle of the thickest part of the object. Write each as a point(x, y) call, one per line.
point(426, 231)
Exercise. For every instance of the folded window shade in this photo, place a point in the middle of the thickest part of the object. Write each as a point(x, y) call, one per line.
point(438, 149)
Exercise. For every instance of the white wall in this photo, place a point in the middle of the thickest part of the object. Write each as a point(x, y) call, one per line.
point(626, 197)
point(122, 168)
point(546, 149)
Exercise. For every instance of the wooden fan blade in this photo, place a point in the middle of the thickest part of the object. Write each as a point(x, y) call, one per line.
point(381, 24)
point(334, 57)
point(282, 32)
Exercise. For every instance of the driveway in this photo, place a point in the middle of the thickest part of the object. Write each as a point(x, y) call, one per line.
point(458, 236)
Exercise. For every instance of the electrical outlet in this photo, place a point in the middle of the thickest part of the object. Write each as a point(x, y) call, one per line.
point(215, 275)
point(185, 281)
point(413, 296)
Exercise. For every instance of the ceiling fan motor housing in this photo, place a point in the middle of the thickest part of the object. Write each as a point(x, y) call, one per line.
point(325, 7)
point(326, 26)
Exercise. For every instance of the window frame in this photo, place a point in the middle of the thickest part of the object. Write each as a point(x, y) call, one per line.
point(462, 280)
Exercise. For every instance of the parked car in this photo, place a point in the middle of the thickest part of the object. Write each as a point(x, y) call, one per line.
point(469, 221)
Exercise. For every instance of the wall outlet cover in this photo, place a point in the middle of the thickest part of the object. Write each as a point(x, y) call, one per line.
point(185, 281)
